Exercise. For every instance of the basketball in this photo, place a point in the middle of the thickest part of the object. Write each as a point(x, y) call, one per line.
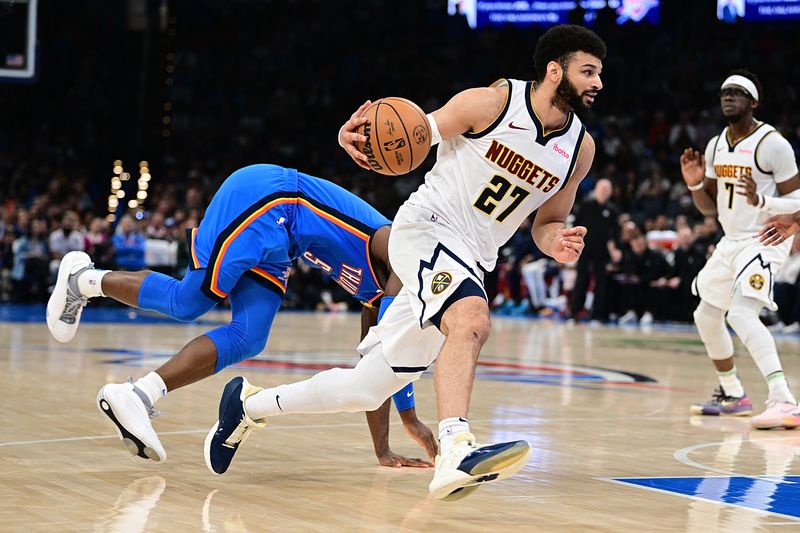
point(398, 136)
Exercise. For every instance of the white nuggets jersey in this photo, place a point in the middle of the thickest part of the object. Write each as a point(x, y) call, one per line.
point(485, 183)
point(765, 156)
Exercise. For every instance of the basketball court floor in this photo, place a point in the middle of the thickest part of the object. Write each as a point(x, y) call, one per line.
point(605, 409)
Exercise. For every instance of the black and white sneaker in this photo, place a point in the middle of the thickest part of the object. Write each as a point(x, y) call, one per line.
point(127, 410)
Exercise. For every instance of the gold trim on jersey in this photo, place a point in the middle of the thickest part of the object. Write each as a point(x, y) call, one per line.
point(728, 136)
point(572, 164)
point(543, 137)
point(493, 124)
point(755, 152)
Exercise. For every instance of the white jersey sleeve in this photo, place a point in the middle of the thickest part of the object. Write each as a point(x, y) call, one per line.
point(774, 155)
point(709, 155)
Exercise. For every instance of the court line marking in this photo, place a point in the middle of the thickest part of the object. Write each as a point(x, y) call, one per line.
point(183, 432)
point(334, 426)
point(682, 456)
point(698, 498)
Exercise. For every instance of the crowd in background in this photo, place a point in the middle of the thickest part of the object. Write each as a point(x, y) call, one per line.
point(238, 95)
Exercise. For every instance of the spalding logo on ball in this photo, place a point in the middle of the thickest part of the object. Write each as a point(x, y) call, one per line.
point(398, 136)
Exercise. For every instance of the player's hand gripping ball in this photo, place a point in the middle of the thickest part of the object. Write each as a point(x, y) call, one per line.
point(398, 136)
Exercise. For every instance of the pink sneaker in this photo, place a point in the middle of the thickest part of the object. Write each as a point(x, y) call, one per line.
point(777, 415)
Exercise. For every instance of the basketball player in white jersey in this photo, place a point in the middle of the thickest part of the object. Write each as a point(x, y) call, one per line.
point(748, 172)
point(504, 151)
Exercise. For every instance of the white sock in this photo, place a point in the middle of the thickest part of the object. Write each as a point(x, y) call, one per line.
point(448, 429)
point(152, 386)
point(779, 388)
point(362, 388)
point(730, 383)
point(263, 404)
point(90, 282)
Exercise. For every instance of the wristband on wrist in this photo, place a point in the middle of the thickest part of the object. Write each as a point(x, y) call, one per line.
point(436, 137)
point(696, 187)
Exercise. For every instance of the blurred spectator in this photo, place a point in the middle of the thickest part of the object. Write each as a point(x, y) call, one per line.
point(156, 228)
point(6, 261)
point(515, 297)
point(660, 235)
point(683, 134)
point(67, 238)
point(98, 244)
point(652, 194)
point(600, 217)
point(639, 270)
point(129, 245)
point(687, 260)
point(658, 134)
point(30, 274)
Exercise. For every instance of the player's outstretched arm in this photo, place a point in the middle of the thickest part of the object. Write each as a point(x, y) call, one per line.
point(419, 432)
point(378, 421)
point(549, 229)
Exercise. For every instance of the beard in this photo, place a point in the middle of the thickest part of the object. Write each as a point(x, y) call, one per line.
point(734, 117)
point(567, 98)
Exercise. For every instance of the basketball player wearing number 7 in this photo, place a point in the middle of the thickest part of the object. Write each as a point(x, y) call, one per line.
point(748, 171)
point(504, 151)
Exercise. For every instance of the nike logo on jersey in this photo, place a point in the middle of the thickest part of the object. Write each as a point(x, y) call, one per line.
point(513, 127)
point(409, 394)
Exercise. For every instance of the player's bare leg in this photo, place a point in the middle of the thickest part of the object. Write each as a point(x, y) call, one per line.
point(466, 325)
point(463, 463)
point(124, 286)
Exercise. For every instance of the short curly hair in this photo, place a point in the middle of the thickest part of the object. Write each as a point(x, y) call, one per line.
point(560, 43)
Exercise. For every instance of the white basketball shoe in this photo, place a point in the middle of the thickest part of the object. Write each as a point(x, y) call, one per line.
point(467, 464)
point(66, 303)
point(131, 416)
point(778, 414)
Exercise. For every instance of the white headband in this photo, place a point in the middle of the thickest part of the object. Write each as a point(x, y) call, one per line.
point(744, 83)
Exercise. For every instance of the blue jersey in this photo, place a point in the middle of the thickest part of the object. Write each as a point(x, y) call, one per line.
point(265, 216)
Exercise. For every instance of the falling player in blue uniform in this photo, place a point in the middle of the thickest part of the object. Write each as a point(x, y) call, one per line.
point(260, 220)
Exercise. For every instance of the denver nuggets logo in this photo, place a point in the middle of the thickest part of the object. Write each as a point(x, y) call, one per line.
point(757, 281)
point(441, 280)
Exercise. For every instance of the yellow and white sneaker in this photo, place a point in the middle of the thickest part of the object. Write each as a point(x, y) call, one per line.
point(468, 464)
